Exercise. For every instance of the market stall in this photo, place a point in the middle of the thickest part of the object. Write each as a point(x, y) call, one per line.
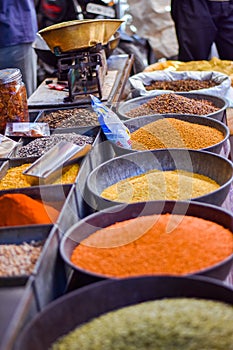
point(55, 213)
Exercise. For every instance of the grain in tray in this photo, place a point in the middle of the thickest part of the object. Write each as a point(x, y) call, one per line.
point(40, 146)
point(19, 259)
point(66, 118)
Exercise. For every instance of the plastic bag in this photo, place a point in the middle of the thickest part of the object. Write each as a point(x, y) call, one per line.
point(6, 146)
point(138, 82)
point(111, 124)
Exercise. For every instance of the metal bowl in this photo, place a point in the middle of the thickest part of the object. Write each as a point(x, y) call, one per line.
point(218, 102)
point(112, 44)
point(82, 305)
point(205, 163)
point(118, 213)
point(79, 34)
point(136, 123)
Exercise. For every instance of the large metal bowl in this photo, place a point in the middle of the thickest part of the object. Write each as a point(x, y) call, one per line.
point(205, 163)
point(219, 102)
point(136, 123)
point(79, 34)
point(82, 305)
point(118, 213)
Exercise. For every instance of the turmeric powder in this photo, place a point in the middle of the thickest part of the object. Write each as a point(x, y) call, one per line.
point(192, 245)
point(19, 209)
point(15, 178)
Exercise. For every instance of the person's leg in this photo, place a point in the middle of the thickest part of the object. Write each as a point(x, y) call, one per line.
point(23, 57)
point(222, 14)
point(195, 29)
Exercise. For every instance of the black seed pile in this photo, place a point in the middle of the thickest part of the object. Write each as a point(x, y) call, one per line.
point(39, 146)
point(66, 118)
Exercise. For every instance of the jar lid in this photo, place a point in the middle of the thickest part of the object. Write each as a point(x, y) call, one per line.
point(10, 74)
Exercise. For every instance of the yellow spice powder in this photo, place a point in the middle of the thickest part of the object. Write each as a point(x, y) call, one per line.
point(69, 175)
point(15, 178)
point(175, 133)
point(160, 185)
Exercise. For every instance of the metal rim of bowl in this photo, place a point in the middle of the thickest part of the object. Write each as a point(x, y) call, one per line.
point(128, 155)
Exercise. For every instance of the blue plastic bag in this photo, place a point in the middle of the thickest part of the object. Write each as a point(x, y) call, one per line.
point(111, 124)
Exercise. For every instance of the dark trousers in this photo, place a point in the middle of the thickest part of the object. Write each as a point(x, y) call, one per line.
point(200, 23)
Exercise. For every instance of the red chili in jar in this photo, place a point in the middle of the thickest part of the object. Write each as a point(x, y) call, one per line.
point(13, 98)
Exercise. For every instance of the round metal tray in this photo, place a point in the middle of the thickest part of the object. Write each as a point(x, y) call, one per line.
point(136, 123)
point(84, 304)
point(110, 216)
point(204, 163)
point(219, 102)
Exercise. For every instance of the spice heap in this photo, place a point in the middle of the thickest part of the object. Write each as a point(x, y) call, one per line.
point(16, 260)
point(15, 178)
point(160, 185)
point(40, 146)
point(175, 133)
point(173, 103)
point(19, 209)
point(155, 244)
point(177, 324)
point(181, 85)
point(66, 118)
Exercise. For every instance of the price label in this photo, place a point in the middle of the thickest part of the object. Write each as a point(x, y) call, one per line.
point(20, 127)
point(100, 10)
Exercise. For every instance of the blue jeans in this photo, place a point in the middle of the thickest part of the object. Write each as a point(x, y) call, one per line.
point(21, 56)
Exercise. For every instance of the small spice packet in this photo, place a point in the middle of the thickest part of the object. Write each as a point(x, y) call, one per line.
point(111, 124)
point(27, 129)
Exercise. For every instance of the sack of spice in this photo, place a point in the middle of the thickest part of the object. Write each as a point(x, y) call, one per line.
point(210, 83)
point(111, 124)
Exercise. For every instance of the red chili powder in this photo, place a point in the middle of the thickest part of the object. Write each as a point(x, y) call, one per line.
point(146, 245)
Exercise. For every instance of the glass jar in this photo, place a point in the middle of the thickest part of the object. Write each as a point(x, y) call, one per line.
point(13, 98)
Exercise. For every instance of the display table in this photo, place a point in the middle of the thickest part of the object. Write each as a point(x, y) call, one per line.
point(22, 303)
point(119, 68)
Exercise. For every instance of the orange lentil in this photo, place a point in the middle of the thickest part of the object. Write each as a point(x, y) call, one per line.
point(155, 244)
